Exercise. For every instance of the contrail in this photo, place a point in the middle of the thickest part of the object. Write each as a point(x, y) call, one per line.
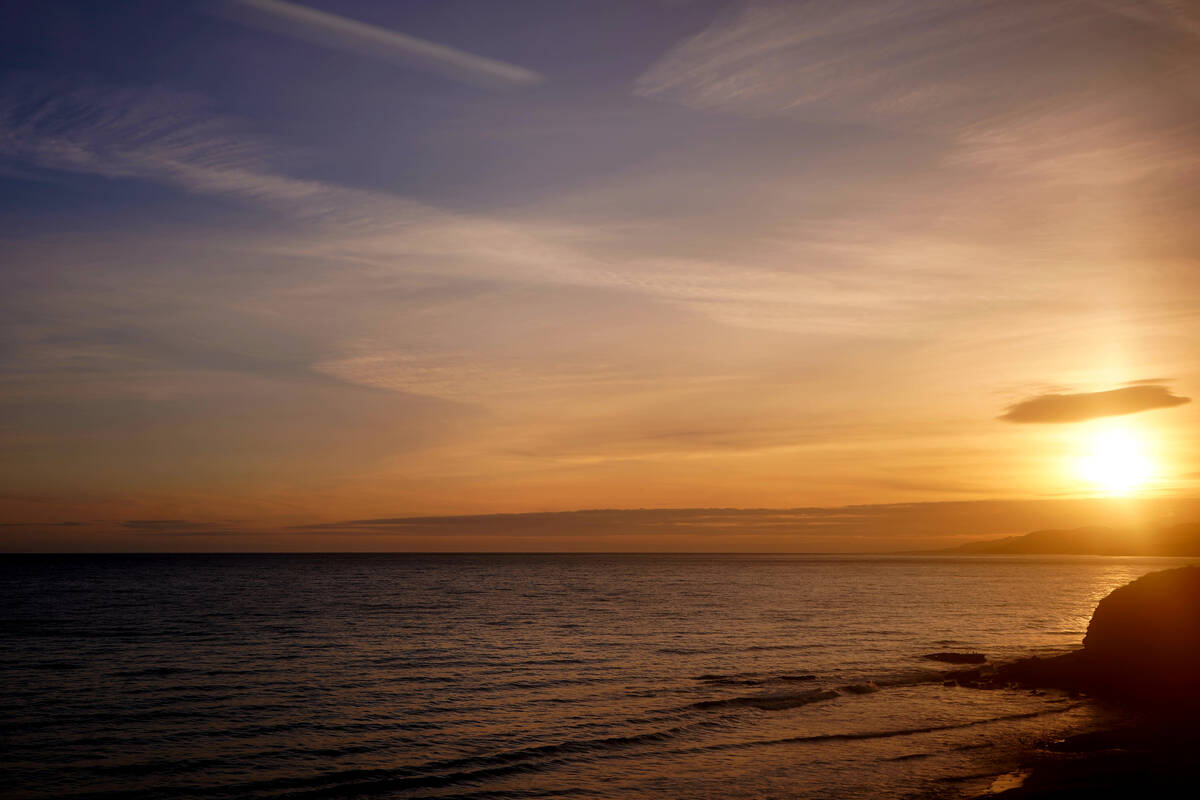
point(341, 33)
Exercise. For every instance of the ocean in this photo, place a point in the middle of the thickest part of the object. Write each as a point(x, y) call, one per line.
point(528, 676)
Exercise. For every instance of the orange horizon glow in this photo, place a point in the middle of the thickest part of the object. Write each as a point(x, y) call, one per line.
point(786, 255)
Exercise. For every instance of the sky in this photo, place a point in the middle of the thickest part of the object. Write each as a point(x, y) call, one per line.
point(275, 275)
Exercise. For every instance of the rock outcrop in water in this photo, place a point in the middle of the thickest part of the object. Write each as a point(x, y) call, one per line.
point(956, 658)
point(1142, 645)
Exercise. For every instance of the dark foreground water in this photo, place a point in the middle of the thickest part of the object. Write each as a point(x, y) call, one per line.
point(497, 676)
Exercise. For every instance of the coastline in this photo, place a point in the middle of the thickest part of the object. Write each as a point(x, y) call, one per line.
point(707, 698)
point(1140, 662)
point(1062, 761)
point(1138, 756)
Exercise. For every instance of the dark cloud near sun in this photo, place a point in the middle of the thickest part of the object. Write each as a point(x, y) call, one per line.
point(1064, 408)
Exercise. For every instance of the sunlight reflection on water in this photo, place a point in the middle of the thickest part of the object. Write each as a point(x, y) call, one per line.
point(609, 676)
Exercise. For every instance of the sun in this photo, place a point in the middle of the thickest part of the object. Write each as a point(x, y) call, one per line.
point(1115, 462)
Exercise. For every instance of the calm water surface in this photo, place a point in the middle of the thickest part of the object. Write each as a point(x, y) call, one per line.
point(511, 676)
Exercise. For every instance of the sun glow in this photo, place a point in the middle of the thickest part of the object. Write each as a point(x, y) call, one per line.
point(1115, 462)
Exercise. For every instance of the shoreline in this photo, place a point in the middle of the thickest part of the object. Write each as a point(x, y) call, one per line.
point(1137, 755)
point(1140, 661)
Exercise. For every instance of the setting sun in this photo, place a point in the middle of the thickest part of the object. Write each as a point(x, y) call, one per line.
point(1115, 462)
point(623, 398)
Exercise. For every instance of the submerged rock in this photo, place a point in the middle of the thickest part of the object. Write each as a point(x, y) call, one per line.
point(956, 658)
point(859, 688)
point(965, 677)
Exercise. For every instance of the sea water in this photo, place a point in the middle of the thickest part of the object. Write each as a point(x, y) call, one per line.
point(514, 676)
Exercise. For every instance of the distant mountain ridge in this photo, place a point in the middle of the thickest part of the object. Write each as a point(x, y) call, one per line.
point(1176, 540)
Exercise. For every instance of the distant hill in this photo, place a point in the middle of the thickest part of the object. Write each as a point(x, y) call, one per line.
point(1177, 540)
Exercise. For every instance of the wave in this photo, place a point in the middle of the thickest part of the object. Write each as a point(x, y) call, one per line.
point(752, 679)
point(754, 648)
point(507, 794)
point(55, 665)
point(770, 702)
point(152, 672)
point(910, 757)
point(781, 701)
point(431, 775)
point(844, 737)
point(448, 773)
point(568, 747)
point(859, 688)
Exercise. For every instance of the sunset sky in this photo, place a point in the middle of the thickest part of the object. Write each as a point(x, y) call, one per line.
point(270, 270)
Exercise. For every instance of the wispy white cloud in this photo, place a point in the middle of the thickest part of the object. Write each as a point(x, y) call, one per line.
point(1059, 91)
point(1098, 146)
point(173, 139)
point(835, 276)
point(901, 263)
point(341, 33)
point(1048, 141)
point(895, 208)
point(875, 60)
point(1178, 17)
point(935, 66)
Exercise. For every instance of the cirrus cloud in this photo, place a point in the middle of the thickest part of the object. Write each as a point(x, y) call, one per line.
point(1062, 408)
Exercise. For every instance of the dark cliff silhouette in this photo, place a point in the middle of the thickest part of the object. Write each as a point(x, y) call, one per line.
point(1142, 650)
point(1142, 647)
point(1144, 638)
